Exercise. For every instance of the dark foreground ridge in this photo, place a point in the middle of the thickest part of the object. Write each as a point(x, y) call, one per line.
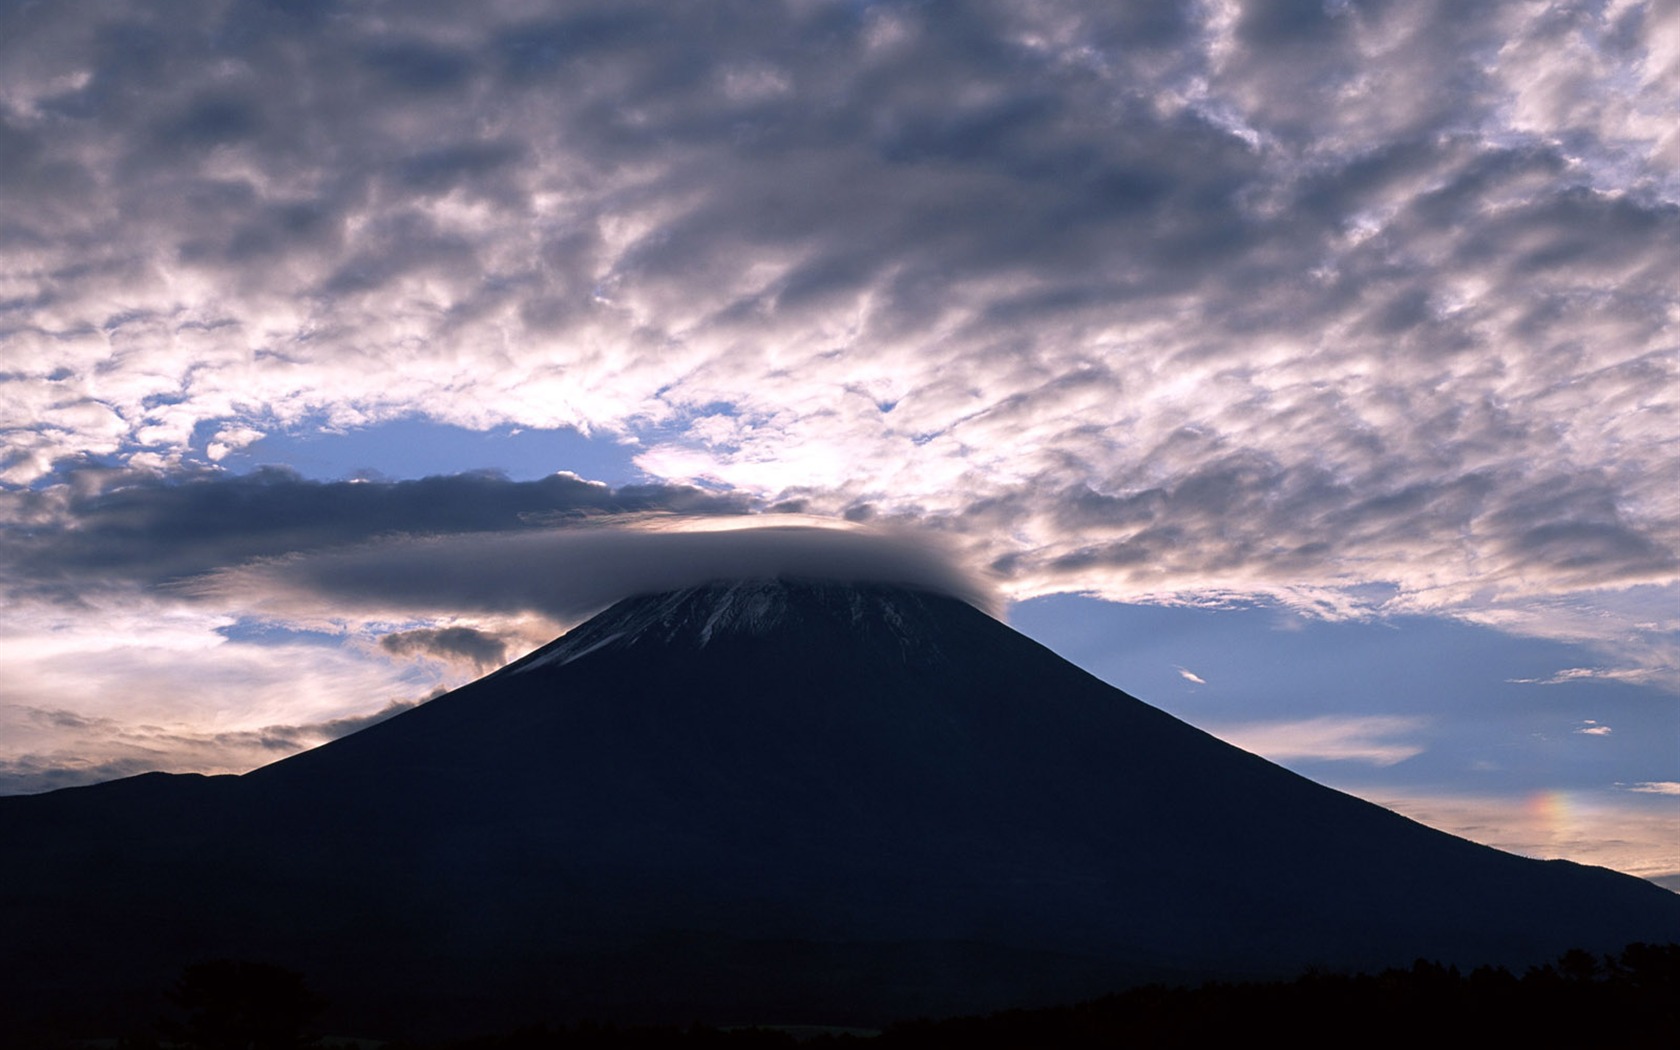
point(1628, 1000)
point(780, 802)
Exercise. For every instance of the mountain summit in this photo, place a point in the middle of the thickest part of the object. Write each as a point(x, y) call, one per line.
point(692, 617)
point(763, 801)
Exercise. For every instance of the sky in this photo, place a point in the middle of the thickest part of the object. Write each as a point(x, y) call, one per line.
point(1306, 368)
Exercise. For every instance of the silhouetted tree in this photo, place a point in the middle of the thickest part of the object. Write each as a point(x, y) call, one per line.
point(232, 1004)
point(1578, 964)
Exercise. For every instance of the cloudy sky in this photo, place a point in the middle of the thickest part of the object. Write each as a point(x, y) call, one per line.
point(1306, 367)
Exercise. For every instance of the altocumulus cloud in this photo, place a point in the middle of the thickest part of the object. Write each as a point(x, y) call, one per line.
point(1260, 297)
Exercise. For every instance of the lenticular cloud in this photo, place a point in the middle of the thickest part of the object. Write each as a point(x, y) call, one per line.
point(568, 573)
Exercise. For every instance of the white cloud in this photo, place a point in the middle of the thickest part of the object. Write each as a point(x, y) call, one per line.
point(1374, 739)
point(1568, 674)
point(109, 696)
point(1191, 676)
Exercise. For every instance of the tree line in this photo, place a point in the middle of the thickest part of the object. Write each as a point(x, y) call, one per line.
point(1630, 1000)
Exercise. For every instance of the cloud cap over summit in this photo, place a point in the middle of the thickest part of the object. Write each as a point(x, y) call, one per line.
point(566, 573)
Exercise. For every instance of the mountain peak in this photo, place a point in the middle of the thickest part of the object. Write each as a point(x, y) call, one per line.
point(701, 616)
point(857, 801)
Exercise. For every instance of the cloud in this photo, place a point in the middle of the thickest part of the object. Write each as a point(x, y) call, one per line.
point(1191, 676)
point(106, 748)
point(129, 678)
point(1584, 674)
point(105, 527)
point(1657, 787)
point(1329, 738)
point(567, 574)
point(299, 604)
point(1275, 299)
point(1589, 727)
point(465, 644)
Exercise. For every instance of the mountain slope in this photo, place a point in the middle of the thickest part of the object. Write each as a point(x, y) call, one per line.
point(768, 800)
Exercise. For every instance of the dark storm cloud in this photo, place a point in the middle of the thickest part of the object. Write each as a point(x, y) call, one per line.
point(116, 528)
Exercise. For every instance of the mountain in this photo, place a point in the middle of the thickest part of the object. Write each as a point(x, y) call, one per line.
point(759, 801)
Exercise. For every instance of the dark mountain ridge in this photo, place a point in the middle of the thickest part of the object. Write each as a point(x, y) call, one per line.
point(776, 801)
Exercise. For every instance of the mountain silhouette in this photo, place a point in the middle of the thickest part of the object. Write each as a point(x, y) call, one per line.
point(759, 801)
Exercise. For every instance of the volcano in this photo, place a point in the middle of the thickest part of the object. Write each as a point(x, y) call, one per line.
point(760, 801)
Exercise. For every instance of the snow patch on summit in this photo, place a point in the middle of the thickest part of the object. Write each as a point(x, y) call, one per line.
point(696, 616)
point(753, 612)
